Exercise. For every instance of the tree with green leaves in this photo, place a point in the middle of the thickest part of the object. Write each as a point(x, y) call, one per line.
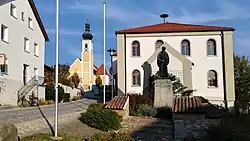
point(75, 80)
point(242, 81)
point(178, 87)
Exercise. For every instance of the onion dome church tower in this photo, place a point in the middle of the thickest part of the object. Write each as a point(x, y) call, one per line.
point(87, 58)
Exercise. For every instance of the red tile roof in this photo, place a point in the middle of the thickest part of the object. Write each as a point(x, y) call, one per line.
point(188, 104)
point(100, 70)
point(118, 103)
point(173, 27)
point(36, 13)
point(196, 105)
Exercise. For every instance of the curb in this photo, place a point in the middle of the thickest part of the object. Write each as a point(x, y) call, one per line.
point(42, 106)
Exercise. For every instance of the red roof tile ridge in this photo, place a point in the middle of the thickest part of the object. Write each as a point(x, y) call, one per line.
point(173, 26)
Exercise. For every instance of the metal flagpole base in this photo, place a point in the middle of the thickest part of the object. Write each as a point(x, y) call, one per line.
point(56, 138)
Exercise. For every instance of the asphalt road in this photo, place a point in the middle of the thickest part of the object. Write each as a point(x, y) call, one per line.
point(28, 114)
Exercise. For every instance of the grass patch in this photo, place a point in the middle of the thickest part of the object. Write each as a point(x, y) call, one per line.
point(46, 137)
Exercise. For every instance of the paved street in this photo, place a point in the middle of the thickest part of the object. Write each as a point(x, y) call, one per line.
point(29, 114)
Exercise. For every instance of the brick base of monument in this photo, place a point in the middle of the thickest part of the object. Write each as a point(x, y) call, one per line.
point(163, 95)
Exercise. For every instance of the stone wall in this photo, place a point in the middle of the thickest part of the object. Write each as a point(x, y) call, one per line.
point(123, 113)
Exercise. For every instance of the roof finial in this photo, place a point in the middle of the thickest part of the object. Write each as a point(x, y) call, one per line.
point(87, 20)
point(164, 16)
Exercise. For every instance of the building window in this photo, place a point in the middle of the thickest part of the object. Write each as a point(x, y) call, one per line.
point(36, 73)
point(158, 43)
point(4, 33)
point(86, 47)
point(22, 16)
point(13, 11)
point(212, 78)
point(36, 50)
point(211, 47)
point(4, 67)
point(185, 47)
point(26, 45)
point(30, 23)
point(136, 48)
point(136, 78)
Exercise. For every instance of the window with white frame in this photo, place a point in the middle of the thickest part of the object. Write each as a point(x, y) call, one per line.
point(30, 23)
point(4, 33)
point(26, 45)
point(4, 67)
point(36, 49)
point(13, 10)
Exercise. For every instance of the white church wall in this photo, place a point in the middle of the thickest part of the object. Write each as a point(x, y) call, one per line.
point(202, 62)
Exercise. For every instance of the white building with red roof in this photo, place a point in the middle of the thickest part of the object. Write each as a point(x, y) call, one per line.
point(201, 56)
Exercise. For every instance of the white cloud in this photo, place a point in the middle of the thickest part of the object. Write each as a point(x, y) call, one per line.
point(226, 11)
point(135, 16)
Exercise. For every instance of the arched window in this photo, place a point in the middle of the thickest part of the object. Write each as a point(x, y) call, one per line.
point(158, 43)
point(136, 48)
point(136, 78)
point(211, 47)
point(212, 78)
point(185, 47)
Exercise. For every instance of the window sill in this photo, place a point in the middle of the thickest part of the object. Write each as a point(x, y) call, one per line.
point(5, 41)
point(30, 28)
point(3, 73)
point(36, 56)
point(212, 87)
point(27, 51)
point(136, 86)
point(212, 56)
point(15, 17)
point(135, 56)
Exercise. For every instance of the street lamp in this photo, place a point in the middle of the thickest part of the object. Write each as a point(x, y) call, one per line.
point(112, 52)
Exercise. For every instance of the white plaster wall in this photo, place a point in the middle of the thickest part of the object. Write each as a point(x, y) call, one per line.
point(73, 92)
point(202, 63)
point(14, 49)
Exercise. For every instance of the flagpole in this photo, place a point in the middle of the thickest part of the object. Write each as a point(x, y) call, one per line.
point(57, 58)
point(104, 48)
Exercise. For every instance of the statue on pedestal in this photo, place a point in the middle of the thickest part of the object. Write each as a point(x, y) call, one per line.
point(162, 63)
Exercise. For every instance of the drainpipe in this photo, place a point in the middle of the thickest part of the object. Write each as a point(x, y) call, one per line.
point(223, 69)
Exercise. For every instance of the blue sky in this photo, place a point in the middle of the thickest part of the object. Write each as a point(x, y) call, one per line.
point(132, 13)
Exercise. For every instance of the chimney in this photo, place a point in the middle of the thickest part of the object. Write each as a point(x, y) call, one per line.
point(164, 16)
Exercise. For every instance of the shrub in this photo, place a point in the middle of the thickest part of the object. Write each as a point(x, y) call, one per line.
point(42, 102)
point(135, 100)
point(111, 137)
point(50, 92)
point(98, 117)
point(164, 112)
point(50, 102)
point(146, 110)
point(66, 97)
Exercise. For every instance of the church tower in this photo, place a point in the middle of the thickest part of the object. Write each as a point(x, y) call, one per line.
point(87, 58)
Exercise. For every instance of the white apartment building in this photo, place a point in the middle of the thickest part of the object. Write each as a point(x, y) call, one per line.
point(22, 48)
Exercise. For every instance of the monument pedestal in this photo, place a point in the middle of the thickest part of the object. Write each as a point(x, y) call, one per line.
point(163, 93)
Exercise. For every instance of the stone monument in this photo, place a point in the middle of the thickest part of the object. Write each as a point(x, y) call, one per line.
point(163, 86)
